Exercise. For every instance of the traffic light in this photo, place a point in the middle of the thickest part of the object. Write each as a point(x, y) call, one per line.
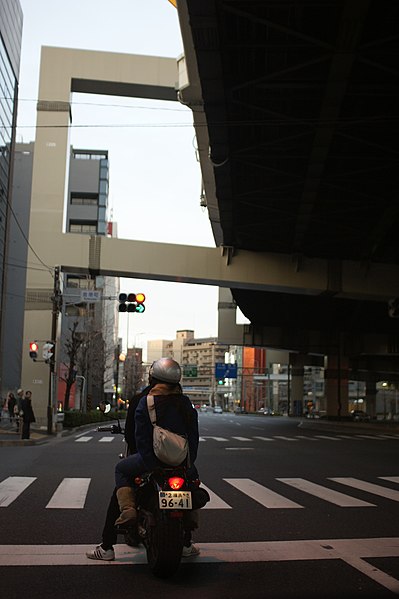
point(132, 302)
point(221, 381)
point(33, 347)
point(48, 351)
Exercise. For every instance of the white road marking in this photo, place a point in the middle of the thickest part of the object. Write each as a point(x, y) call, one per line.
point(12, 487)
point(106, 439)
point(284, 438)
point(326, 494)
point(368, 487)
point(216, 502)
point(85, 433)
point(351, 551)
point(70, 494)
point(307, 437)
point(264, 438)
point(348, 437)
point(374, 437)
point(220, 439)
point(262, 495)
point(327, 437)
point(239, 448)
point(392, 479)
point(241, 439)
point(83, 439)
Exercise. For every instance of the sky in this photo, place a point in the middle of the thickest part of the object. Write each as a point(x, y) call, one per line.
point(155, 180)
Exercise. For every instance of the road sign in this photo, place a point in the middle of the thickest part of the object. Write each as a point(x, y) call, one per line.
point(87, 295)
point(190, 370)
point(225, 371)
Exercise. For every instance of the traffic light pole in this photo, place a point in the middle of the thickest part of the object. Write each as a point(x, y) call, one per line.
point(55, 311)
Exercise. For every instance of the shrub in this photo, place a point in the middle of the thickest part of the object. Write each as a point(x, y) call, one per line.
point(74, 418)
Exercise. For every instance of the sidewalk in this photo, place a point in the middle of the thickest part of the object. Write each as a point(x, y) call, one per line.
point(10, 436)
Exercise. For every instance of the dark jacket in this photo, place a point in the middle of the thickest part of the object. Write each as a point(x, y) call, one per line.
point(130, 424)
point(26, 407)
point(173, 412)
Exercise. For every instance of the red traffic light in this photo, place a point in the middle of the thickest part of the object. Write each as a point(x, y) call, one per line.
point(33, 347)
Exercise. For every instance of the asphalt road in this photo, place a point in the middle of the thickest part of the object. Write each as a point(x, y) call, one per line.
point(294, 512)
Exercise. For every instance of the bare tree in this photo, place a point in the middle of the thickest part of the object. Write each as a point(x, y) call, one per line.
point(72, 346)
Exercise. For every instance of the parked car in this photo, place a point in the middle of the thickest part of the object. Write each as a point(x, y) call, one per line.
point(360, 416)
point(240, 411)
point(217, 410)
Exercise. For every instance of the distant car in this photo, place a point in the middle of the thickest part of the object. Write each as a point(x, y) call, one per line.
point(265, 411)
point(240, 411)
point(203, 409)
point(217, 410)
point(360, 416)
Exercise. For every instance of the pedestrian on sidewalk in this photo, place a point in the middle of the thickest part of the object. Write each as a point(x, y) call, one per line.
point(17, 409)
point(27, 414)
point(11, 402)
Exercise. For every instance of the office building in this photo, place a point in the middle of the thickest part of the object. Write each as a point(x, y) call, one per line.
point(11, 332)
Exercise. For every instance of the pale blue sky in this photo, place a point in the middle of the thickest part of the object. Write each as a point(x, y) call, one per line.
point(155, 178)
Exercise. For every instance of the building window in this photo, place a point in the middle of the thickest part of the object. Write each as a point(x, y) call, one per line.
point(84, 199)
point(88, 228)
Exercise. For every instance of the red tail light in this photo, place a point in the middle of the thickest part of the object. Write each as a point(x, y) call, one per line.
point(175, 482)
point(138, 480)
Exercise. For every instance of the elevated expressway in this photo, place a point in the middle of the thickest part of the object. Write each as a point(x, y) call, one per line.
point(300, 160)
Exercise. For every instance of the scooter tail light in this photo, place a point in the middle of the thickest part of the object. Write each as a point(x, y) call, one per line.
point(138, 480)
point(176, 482)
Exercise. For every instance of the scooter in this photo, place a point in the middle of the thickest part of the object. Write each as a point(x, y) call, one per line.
point(166, 503)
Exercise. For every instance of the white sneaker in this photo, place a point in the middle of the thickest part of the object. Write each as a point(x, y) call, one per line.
point(107, 555)
point(191, 551)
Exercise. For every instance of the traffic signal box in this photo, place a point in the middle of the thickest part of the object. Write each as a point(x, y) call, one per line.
point(132, 302)
point(33, 348)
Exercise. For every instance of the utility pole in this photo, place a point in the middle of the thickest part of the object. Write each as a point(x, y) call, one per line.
point(56, 299)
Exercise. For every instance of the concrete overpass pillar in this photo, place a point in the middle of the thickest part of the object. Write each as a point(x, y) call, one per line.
point(371, 398)
point(297, 362)
point(336, 375)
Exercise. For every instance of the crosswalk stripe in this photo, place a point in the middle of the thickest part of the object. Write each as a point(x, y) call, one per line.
point(12, 487)
point(70, 494)
point(241, 439)
point(216, 502)
point(220, 439)
point(307, 437)
point(392, 479)
point(264, 438)
point(326, 437)
point(324, 493)
point(262, 495)
point(368, 487)
point(348, 437)
point(106, 439)
point(83, 439)
point(284, 438)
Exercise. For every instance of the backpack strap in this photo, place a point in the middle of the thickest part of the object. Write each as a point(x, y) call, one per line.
point(151, 409)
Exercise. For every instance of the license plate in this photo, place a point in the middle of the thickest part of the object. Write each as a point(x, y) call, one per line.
point(175, 500)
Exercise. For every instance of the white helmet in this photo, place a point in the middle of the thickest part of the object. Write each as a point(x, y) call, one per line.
point(165, 370)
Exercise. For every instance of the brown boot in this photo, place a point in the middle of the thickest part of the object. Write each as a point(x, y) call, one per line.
point(127, 506)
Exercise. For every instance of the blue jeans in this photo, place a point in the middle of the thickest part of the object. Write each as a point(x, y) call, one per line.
point(127, 469)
